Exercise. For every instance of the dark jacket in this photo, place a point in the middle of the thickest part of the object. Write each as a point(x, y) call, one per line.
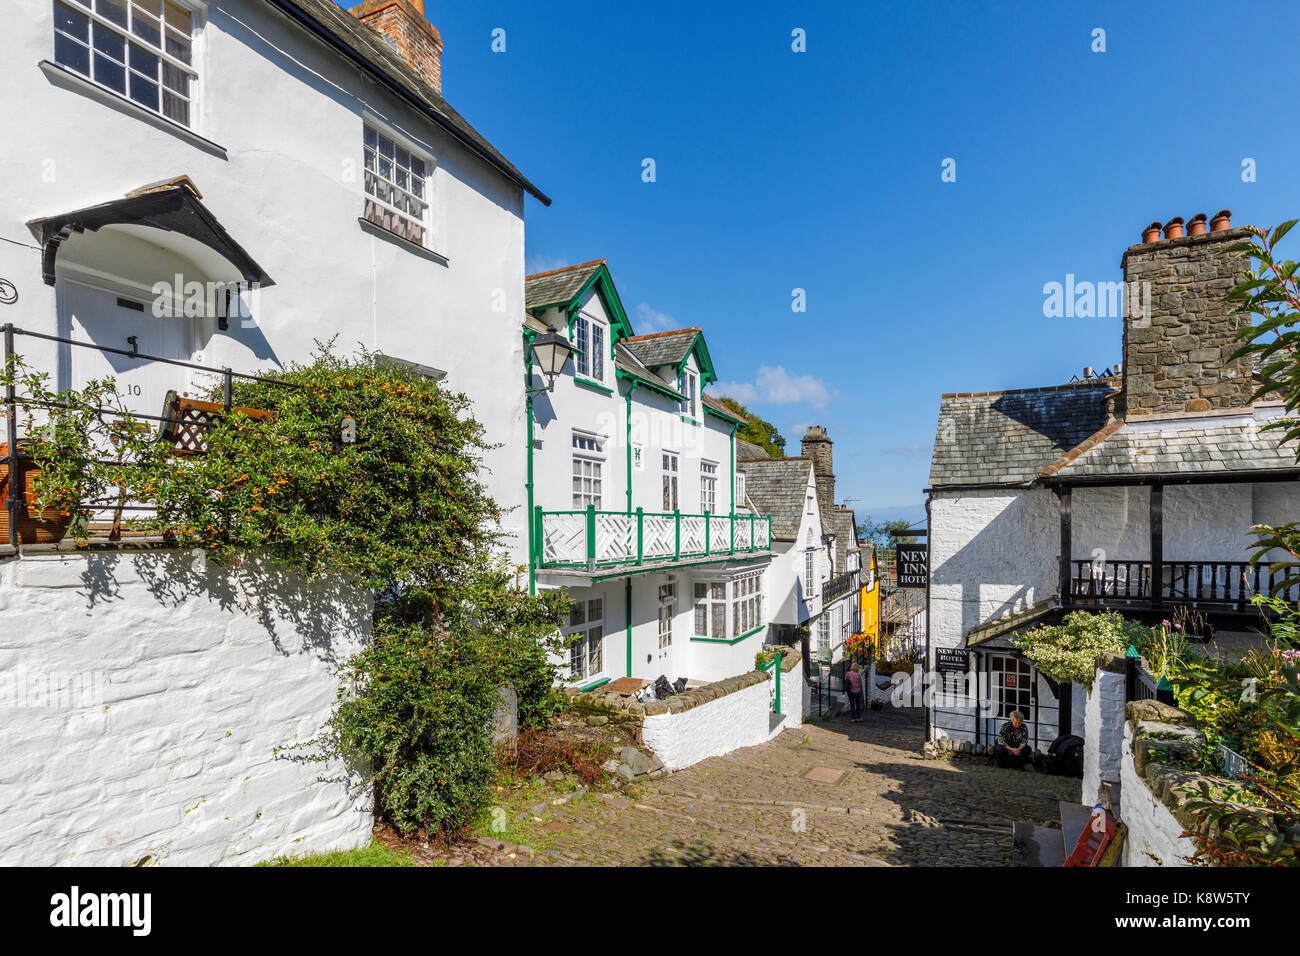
point(1009, 736)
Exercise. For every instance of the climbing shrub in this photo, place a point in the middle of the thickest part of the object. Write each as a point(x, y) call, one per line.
point(1068, 651)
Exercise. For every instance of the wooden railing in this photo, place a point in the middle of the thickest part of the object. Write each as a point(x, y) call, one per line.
point(1210, 584)
point(592, 539)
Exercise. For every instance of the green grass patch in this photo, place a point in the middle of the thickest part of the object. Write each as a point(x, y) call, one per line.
point(376, 854)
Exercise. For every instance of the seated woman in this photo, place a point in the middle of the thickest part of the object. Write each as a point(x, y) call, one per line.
point(1012, 747)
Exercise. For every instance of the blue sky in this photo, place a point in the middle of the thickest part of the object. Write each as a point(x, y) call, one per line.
point(820, 170)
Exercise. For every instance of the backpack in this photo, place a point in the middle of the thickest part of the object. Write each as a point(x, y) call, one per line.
point(1064, 757)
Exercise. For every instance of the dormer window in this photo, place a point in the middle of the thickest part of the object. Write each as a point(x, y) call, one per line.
point(688, 383)
point(589, 335)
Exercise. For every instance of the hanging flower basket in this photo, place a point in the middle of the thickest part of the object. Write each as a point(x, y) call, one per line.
point(46, 526)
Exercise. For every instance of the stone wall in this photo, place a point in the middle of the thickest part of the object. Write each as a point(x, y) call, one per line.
point(152, 709)
point(717, 718)
point(1103, 727)
point(1176, 359)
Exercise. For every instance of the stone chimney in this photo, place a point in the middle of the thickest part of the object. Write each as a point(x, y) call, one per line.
point(818, 447)
point(1179, 334)
point(404, 27)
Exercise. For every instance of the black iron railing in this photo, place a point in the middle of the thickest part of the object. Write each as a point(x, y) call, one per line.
point(15, 501)
point(839, 586)
point(1210, 584)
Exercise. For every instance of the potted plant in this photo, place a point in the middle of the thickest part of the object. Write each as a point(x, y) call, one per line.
point(81, 452)
point(36, 524)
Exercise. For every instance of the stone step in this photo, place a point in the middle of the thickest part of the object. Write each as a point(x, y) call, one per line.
point(1037, 845)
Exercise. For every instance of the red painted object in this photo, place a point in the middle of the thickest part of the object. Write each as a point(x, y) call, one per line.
point(1094, 839)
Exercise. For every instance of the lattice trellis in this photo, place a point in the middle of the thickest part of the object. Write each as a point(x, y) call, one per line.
point(564, 538)
point(615, 537)
point(719, 534)
point(659, 537)
point(692, 535)
point(742, 534)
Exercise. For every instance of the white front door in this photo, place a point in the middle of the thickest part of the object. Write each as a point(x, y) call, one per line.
point(667, 617)
point(111, 319)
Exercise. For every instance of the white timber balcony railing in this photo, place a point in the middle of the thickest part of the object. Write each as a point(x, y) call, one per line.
point(594, 539)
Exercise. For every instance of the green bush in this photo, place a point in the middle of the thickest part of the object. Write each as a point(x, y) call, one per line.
point(1068, 651)
point(421, 715)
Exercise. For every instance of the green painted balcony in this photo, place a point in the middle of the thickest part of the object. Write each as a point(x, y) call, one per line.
point(594, 539)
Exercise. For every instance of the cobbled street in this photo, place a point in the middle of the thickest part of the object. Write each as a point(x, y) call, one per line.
point(832, 793)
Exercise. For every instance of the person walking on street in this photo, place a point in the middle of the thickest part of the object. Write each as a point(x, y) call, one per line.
point(853, 688)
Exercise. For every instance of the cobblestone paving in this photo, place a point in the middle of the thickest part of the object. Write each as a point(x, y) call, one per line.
point(755, 806)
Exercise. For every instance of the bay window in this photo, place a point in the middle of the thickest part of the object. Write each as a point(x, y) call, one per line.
point(727, 610)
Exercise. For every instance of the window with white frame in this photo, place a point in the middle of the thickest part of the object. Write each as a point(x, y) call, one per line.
point(824, 638)
point(726, 610)
point(396, 187)
point(709, 487)
point(810, 572)
point(667, 609)
point(711, 609)
point(688, 383)
point(140, 49)
point(740, 489)
point(670, 480)
point(587, 631)
point(588, 466)
point(746, 604)
point(589, 335)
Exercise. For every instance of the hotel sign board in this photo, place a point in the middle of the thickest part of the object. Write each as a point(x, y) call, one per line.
point(912, 564)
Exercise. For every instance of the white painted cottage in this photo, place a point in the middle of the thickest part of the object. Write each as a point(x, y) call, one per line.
point(1132, 492)
point(223, 185)
point(637, 509)
point(303, 156)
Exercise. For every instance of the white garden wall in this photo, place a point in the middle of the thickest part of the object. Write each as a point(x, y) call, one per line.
point(149, 705)
point(1103, 732)
point(740, 715)
point(1154, 836)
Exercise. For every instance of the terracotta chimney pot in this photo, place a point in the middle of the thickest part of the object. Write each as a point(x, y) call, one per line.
point(1197, 226)
point(1174, 228)
point(1222, 220)
point(1151, 233)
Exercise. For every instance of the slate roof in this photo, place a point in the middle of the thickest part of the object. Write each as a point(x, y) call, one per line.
point(778, 486)
point(629, 364)
point(747, 451)
point(1235, 442)
point(721, 409)
point(663, 348)
point(1007, 437)
point(371, 47)
point(558, 285)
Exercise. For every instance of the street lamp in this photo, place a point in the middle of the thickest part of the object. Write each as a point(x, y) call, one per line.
point(551, 351)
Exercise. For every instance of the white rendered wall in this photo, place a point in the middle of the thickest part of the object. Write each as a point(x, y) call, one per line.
point(1103, 733)
point(716, 727)
point(289, 114)
point(1154, 836)
point(992, 553)
point(186, 690)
